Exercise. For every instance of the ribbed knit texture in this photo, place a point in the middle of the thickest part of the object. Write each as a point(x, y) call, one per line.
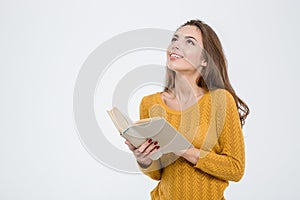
point(211, 125)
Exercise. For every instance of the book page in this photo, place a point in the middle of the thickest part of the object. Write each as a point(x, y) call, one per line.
point(145, 121)
point(119, 119)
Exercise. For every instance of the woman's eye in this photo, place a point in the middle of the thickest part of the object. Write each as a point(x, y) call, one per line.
point(174, 39)
point(190, 42)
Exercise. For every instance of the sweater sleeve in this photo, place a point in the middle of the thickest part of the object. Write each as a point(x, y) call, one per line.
point(154, 170)
point(229, 163)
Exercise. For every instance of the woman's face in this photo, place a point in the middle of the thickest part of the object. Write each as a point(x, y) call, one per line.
point(185, 51)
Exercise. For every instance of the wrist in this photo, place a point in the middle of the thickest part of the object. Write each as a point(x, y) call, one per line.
point(144, 165)
point(192, 155)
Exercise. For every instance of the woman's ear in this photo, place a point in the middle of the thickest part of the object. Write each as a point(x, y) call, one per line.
point(203, 63)
point(203, 58)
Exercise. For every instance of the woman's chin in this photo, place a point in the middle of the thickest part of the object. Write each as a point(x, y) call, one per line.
point(177, 68)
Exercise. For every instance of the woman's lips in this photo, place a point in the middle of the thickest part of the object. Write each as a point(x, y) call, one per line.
point(175, 56)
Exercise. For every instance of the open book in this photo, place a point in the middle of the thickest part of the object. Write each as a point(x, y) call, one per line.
point(157, 128)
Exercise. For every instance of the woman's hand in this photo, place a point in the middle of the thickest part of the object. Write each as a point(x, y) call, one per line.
point(143, 152)
point(191, 155)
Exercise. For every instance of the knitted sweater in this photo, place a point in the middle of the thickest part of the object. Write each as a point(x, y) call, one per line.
point(211, 125)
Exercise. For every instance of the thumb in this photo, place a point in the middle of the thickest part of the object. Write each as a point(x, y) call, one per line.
point(131, 147)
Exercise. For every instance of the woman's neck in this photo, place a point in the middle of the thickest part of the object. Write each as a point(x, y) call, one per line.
point(186, 90)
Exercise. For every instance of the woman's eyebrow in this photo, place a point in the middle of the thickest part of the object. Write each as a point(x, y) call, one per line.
point(190, 37)
point(186, 37)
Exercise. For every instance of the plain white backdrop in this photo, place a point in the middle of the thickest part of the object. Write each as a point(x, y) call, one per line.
point(43, 45)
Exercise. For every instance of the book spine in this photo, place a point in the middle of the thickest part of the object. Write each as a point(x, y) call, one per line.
point(125, 130)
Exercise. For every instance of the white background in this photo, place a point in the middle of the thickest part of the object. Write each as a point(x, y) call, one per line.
point(43, 45)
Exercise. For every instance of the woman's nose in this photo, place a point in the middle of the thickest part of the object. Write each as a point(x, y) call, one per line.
point(175, 45)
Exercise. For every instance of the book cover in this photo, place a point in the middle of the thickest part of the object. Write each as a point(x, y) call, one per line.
point(157, 128)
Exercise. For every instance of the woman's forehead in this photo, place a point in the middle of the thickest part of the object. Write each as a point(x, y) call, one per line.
point(189, 31)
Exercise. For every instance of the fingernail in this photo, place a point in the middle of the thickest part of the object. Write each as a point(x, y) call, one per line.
point(155, 143)
point(150, 140)
point(157, 147)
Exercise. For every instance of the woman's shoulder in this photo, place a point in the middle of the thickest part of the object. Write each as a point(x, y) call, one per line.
point(150, 98)
point(221, 92)
point(222, 96)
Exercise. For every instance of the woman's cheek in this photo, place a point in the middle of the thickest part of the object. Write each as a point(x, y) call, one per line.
point(194, 58)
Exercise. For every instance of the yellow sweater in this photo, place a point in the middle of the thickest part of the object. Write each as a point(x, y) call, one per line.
point(211, 125)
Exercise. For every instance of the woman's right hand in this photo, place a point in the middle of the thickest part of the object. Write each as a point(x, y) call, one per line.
point(143, 152)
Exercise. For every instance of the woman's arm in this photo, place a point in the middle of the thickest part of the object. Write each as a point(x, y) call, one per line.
point(229, 164)
point(142, 155)
point(153, 170)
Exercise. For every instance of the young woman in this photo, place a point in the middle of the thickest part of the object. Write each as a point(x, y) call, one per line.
point(199, 101)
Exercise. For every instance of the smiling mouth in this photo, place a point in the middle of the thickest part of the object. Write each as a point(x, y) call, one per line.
point(174, 56)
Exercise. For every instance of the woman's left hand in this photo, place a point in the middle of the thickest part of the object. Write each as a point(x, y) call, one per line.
point(191, 155)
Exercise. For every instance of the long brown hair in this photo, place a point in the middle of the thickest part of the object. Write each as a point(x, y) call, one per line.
point(215, 75)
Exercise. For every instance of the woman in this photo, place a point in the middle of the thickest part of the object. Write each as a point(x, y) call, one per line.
point(199, 101)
